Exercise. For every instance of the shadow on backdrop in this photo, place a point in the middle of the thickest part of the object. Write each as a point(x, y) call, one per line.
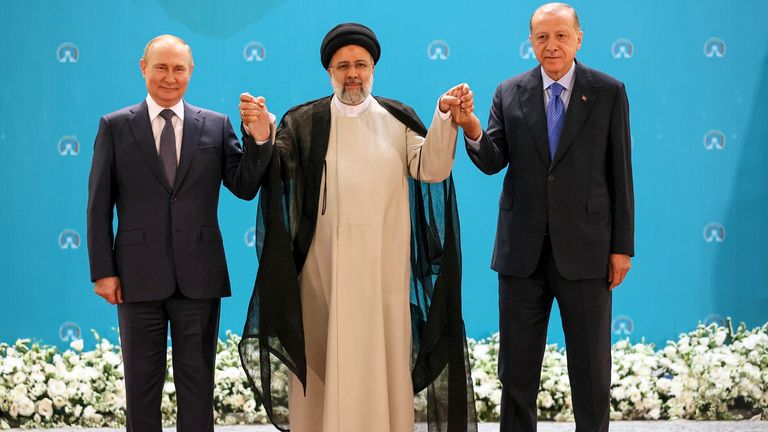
point(219, 21)
point(740, 271)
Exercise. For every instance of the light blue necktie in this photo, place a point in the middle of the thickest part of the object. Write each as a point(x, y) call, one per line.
point(555, 117)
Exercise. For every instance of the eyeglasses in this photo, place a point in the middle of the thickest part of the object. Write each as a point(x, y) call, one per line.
point(344, 67)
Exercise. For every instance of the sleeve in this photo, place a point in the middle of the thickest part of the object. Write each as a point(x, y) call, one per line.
point(101, 204)
point(619, 167)
point(244, 168)
point(490, 153)
point(430, 159)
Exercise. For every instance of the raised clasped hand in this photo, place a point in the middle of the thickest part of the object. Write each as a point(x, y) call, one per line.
point(255, 116)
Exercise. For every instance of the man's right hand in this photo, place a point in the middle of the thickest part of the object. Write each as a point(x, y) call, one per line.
point(255, 117)
point(109, 288)
point(460, 100)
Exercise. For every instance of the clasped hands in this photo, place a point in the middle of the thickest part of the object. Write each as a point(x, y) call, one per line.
point(255, 116)
point(459, 100)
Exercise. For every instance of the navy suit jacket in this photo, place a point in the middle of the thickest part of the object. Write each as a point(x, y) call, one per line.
point(584, 195)
point(167, 235)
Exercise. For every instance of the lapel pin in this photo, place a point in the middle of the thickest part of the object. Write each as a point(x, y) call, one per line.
point(583, 98)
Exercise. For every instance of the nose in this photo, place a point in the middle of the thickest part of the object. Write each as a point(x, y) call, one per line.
point(168, 77)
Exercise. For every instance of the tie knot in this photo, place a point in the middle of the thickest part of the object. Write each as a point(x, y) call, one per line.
point(556, 88)
point(168, 114)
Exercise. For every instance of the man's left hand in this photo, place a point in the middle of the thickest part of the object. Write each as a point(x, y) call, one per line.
point(618, 267)
point(459, 100)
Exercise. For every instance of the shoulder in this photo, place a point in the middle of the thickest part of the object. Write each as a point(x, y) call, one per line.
point(203, 112)
point(527, 77)
point(403, 113)
point(125, 112)
point(597, 77)
point(395, 104)
point(306, 109)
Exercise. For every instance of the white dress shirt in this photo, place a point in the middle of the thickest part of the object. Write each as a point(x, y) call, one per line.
point(158, 123)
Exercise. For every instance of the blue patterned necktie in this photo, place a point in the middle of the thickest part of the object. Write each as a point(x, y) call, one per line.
point(168, 146)
point(555, 117)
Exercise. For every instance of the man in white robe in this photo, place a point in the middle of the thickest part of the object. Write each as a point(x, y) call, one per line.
point(355, 273)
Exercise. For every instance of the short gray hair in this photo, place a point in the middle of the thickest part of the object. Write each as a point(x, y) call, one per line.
point(553, 8)
point(168, 37)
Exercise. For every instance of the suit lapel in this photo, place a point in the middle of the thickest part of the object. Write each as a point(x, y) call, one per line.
point(193, 127)
point(141, 129)
point(582, 100)
point(531, 92)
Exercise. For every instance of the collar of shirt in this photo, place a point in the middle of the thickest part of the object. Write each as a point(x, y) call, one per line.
point(352, 110)
point(566, 81)
point(155, 109)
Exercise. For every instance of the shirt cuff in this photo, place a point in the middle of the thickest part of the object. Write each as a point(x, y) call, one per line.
point(472, 143)
point(272, 119)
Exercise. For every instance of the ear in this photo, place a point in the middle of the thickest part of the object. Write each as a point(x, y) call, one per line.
point(578, 39)
point(143, 66)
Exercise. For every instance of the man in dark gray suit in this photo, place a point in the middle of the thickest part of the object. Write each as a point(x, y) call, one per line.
point(566, 217)
point(161, 163)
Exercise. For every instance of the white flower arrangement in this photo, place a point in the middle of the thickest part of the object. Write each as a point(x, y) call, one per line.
point(710, 373)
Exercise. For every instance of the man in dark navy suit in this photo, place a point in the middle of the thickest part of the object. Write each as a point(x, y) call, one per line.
point(566, 217)
point(161, 163)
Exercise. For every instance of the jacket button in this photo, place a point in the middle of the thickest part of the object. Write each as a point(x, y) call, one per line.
point(550, 178)
point(174, 199)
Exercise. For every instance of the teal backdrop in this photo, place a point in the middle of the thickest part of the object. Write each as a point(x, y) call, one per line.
point(696, 75)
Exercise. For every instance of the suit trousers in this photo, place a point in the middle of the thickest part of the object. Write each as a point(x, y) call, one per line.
point(525, 304)
point(194, 327)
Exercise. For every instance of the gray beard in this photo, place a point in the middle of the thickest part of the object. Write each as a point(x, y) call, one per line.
point(354, 97)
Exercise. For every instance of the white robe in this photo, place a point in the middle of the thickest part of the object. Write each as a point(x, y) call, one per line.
point(355, 283)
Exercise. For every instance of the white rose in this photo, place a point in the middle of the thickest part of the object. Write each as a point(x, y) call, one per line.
point(655, 413)
point(76, 345)
point(250, 405)
point(545, 400)
point(26, 407)
point(484, 390)
point(111, 358)
point(480, 352)
point(59, 401)
point(45, 408)
point(169, 388)
point(751, 341)
point(14, 411)
point(479, 406)
point(78, 410)
point(89, 413)
point(85, 390)
point(548, 384)
point(38, 377)
point(18, 378)
point(496, 396)
point(236, 401)
point(670, 350)
point(18, 392)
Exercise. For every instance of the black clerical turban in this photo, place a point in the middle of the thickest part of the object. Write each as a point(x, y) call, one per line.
point(349, 34)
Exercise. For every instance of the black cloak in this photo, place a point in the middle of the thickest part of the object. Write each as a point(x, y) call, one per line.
point(273, 337)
